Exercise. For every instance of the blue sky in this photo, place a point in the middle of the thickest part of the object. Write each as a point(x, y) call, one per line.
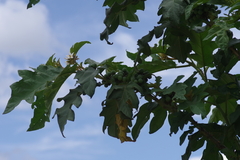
point(28, 38)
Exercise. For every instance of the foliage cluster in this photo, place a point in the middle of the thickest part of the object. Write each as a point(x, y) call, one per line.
point(192, 33)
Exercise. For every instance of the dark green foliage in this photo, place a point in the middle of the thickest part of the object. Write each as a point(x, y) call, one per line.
point(192, 32)
point(118, 13)
point(65, 112)
point(31, 83)
point(31, 3)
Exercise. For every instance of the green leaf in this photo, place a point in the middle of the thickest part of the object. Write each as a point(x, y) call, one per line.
point(41, 112)
point(157, 121)
point(156, 66)
point(219, 30)
point(188, 10)
point(178, 88)
point(184, 135)
point(223, 111)
point(234, 7)
point(65, 112)
point(143, 42)
point(211, 152)
point(44, 98)
point(53, 62)
point(223, 62)
point(75, 48)
point(119, 14)
point(178, 120)
point(90, 62)
point(126, 97)
point(179, 50)
point(196, 141)
point(203, 49)
point(31, 3)
point(111, 2)
point(109, 112)
point(143, 116)
point(87, 80)
point(172, 10)
point(197, 104)
point(31, 82)
point(132, 56)
point(190, 81)
point(235, 115)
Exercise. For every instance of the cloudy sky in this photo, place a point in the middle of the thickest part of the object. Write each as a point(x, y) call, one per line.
point(27, 39)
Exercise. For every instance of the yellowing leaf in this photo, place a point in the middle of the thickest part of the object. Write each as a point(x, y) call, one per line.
point(122, 126)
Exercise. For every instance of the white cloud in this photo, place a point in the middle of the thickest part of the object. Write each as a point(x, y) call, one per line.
point(84, 143)
point(7, 71)
point(24, 32)
point(16, 154)
point(195, 158)
point(122, 42)
point(125, 41)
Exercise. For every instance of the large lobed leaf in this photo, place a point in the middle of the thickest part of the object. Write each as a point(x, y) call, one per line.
point(87, 80)
point(109, 112)
point(176, 38)
point(31, 82)
point(172, 10)
point(118, 14)
point(126, 97)
point(44, 98)
point(65, 112)
point(219, 30)
point(203, 49)
point(179, 89)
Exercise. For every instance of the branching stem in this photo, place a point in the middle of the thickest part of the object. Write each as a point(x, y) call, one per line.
point(200, 72)
point(207, 134)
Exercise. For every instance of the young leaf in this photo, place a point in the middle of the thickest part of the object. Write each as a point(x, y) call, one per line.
point(75, 48)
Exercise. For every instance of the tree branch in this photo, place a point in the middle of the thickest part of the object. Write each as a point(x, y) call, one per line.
point(235, 52)
point(208, 135)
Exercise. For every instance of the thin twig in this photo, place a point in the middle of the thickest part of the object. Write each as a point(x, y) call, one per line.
point(235, 52)
point(207, 134)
